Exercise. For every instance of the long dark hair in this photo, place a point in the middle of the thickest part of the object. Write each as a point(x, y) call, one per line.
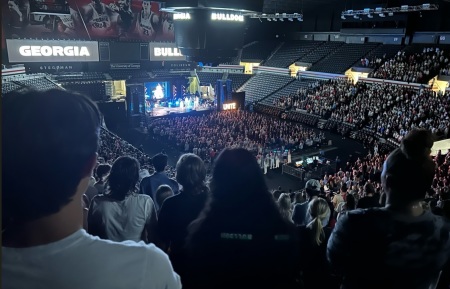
point(123, 178)
point(239, 193)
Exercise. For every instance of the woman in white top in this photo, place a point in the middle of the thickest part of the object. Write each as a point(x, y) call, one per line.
point(121, 213)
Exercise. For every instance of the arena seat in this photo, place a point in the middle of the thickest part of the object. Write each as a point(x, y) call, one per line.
point(343, 58)
point(238, 79)
point(290, 52)
point(258, 51)
point(262, 85)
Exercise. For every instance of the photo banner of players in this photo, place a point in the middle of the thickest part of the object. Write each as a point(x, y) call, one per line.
point(90, 20)
point(27, 50)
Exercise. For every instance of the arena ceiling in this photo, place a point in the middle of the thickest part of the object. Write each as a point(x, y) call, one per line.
point(291, 6)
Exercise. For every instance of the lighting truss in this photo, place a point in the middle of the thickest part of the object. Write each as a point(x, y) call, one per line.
point(382, 12)
point(279, 16)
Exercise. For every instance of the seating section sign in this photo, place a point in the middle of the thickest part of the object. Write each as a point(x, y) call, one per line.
point(23, 50)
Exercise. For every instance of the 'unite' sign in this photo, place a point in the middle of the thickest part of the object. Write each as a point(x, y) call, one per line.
point(229, 106)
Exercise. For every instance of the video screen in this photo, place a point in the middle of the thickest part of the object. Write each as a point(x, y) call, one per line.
point(155, 91)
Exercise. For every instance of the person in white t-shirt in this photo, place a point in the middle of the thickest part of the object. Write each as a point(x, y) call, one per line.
point(122, 213)
point(52, 138)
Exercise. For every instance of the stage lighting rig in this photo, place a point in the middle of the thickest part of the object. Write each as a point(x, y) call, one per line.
point(382, 12)
point(279, 16)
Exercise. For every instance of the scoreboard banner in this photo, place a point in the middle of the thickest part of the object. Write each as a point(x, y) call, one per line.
point(165, 52)
point(23, 50)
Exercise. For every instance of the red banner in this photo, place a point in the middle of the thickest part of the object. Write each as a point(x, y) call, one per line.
point(91, 20)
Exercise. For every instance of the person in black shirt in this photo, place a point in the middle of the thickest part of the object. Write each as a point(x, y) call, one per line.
point(240, 239)
point(408, 245)
point(369, 200)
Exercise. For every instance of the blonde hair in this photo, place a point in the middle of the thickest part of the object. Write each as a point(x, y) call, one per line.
point(318, 209)
point(284, 204)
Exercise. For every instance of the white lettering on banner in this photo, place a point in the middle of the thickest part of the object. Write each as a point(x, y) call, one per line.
point(167, 51)
point(53, 51)
point(228, 106)
point(227, 17)
point(57, 67)
point(181, 16)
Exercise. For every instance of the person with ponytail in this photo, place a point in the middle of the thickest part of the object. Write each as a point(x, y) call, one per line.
point(407, 245)
point(313, 240)
point(123, 214)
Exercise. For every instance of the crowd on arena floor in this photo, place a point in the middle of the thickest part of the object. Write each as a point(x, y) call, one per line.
point(415, 68)
point(255, 132)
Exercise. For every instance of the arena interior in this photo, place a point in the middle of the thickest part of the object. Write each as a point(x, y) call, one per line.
point(241, 144)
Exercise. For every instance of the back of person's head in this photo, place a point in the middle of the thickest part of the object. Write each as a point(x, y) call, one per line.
point(162, 193)
point(102, 171)
point(124, 177)
point(299, 198)
point(350, 203)
point(408, 171)
point(159, 162)
point(312, 188)
point(237, 178)
point(344, 188)
point(369, 189)
point(50, 140)
point(318, 209)
point(284, 202)
point(191, 173)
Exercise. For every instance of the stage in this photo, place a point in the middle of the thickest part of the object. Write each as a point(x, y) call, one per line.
point(165, 111)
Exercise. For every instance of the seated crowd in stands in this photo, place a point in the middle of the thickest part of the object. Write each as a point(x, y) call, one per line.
point(228, 233)
point(387, 109)
point(415, 68)
point(319, 98)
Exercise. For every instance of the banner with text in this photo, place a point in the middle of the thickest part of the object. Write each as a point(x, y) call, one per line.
point(165, 52)
point(23, 50)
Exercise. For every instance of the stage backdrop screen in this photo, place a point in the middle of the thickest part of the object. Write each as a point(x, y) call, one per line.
point(90, 20)
point(23, 50)
point(157, 90)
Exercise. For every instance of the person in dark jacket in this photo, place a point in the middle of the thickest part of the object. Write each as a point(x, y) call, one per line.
point(179, 211)
point(240, 239)
point(407, 245)
point(150, 184)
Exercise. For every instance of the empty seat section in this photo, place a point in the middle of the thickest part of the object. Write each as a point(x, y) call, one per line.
point(262, 85)
point(290, 52)
point(343, 58)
